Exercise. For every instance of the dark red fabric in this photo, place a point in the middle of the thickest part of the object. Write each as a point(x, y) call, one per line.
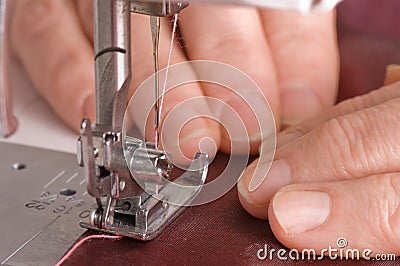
point(222, 233)
point(218, 233)
point(369, 40)
point(378, 18)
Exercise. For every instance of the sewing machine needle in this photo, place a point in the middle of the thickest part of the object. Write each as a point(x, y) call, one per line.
point(155, 34)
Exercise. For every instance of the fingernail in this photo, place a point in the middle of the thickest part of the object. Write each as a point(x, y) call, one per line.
point(252, 111)
point(301, 211)
point(195, 131)
point(299, 104)
point(392, 74)
point(258, 188)
point(183, 141)
point(287, 137)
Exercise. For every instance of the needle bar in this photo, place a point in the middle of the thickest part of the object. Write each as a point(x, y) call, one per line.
point(155, 34)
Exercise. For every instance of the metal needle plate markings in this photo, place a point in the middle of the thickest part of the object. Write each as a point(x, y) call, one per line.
point(41, 203)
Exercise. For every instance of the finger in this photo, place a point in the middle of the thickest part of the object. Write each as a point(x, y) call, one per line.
point(373, 98)
point(347, 147)
point(184, 145)
point(85, 11)
point(392, 74)
point(364, 212)
point(48, 40)
point(306, 56)
point(235, 38)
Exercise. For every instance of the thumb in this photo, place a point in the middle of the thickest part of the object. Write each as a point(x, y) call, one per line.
point(364, 213)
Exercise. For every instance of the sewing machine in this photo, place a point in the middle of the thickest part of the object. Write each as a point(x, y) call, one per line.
point(129, 178)
point(112, 160)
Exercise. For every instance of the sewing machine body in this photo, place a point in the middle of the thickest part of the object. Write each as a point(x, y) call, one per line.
point(112, 162)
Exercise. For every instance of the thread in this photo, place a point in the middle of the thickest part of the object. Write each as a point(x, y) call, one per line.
point(164, 88)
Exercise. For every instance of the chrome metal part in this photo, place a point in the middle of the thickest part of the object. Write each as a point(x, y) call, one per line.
point(123, 207)
point(114, 164)
point(42, 200)
point(155, 36)
point(144, 217)
point(160, 8)
point(112, 60)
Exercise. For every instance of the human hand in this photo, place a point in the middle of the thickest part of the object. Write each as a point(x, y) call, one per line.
point(293, 58)
point(335, 176)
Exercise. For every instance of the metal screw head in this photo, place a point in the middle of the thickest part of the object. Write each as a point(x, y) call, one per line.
point(18, 166)
point(95, 218)
point(122, 185)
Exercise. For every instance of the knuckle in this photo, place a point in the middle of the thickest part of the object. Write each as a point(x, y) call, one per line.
point(357, 144)
point(227, 41)
point(233, 36)
point(338, 135)
point(382, 138)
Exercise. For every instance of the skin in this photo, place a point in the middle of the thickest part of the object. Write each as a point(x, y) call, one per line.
point(52, 38)
point(345, 158)
point(338, 162)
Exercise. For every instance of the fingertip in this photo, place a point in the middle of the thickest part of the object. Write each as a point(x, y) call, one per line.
point(197, 135)
point(89, 107)
point(259, 183)
point(72, 116)
point(247, 119)
point(300, 104)
point(306, 55)
point(258, 211)
point(200, 135)
point(300, 211)
point(243, 46)
point(296, 216)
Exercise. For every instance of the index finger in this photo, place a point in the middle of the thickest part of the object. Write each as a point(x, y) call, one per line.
point(305, 52)
point(50, 43)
